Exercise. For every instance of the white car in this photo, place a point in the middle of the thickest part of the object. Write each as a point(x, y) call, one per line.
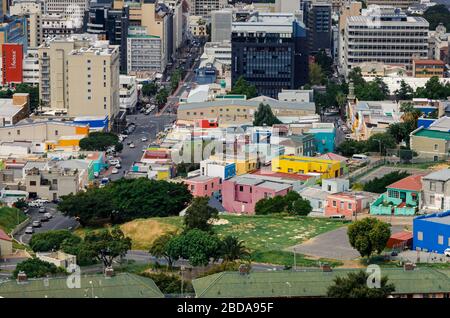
point(29, 230)
point(34, 204)
point(118, 166)
point(115, 171)
point(132, 145)
point(48, 215)
point(114, 162)
point(144, 139)
point(42, 201)
point(447, 252)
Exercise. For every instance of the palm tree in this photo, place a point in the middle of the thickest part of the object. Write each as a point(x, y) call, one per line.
point(232, 249)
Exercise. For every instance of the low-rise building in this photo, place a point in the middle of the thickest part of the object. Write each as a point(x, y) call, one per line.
point(344, 203)
point(436, 190)
point(244, 163)
point(13, 110)
point(241, 193)
point(218, 168)
point(305, 165)
point(324, 137)
point(298, 145)
point(428, 68)
point(58, 258)
point(403, 197)
point(432, 232)
point(128, 93)
point(432, 142)
point(202, 186)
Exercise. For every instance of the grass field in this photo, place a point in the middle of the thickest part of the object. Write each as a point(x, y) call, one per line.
point(10, 218)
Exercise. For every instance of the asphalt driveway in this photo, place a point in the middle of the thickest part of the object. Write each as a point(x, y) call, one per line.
point(333, 245)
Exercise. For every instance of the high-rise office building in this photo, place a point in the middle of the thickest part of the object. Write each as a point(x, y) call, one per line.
point(221, 25)
point(317, 18)
point(143, 51)
point(387, 36)
point(81, 75)
point(205, 7)
point(402, 4)
point(270, 51)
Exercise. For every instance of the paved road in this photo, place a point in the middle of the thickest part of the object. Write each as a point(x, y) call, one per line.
point(57, 222)
point(383, 170)
point(333, 245)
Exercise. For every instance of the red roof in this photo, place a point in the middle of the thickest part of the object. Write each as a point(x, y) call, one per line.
point(429, 62)
point(301, 177)
point(333, 156)
point(413, 183)
point(404, 236)
point(4, 236)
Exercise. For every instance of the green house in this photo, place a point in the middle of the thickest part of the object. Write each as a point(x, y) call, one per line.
point(401, 198)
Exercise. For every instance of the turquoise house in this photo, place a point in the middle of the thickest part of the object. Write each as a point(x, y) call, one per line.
point(403, 197)
point(98, 161)
point(324, 138)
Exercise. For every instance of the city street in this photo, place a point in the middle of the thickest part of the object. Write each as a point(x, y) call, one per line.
point(57, 222)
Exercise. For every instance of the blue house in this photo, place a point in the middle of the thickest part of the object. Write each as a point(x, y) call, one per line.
point(324, 139)
point(432, 232)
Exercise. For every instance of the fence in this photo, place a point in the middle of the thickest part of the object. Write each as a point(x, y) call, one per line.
point(358, 173)
point(20, 227)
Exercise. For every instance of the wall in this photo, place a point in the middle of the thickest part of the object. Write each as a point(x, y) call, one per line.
point(431, 231)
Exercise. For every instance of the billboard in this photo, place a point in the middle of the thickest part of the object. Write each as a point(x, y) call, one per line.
point(12, 58)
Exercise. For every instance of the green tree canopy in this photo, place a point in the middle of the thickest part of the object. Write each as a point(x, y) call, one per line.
point(52, 240)
point(291, 203)
point(378, 185)
point(316, 75)
point(99, 141)
point(264, 116)
point(198, 215)
point(32, 90)
point(405, 92)
point(231, 249)
point(35, 268)
point(355, 286)
point(383, 140)
point(149, 89)
point(161, 97)
point(242, 87)
point(159, 247)
point(438, 14)
point(368, 236)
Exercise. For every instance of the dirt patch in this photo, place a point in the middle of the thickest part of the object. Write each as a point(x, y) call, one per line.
point(144, 231)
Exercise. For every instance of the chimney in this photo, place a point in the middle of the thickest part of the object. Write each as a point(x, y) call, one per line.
point(22, 277)
point(244, 269)
point(409, 266)
point(326, 268)
point(109, 272)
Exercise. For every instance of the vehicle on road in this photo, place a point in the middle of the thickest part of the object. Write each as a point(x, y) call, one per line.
point(115, 171)
point(360, 157)
point(118, 166)
point(114, 162)
point(337, 216)
point(447, 252)
point(42, 209)
point(37, 223)
point(29, 230)
point(132, 145)
point(42, 201)
point(34, 204)
point(48, 215)
point(144, 139)
point(44, 219)
point(148, 111)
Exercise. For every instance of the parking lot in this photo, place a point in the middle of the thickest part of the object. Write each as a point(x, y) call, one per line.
point(57, 222)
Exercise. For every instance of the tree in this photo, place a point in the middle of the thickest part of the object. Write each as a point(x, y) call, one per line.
point(264, 116)
point(291, 203)
point(433, 89)
point(176, 79)
point(355, 286)
point(350, 147)
point(149, 89)
point(378, 185)
point(368, 236)
point(242, 87)
point(380, 141)
point(405, 92)
point(195, 245)
point(21, 204)
point(231, 248)
point(316, 75)
point(35, 268)
point(198, 215)
point(438, 14)
point(161, 97)
point(107, 245)
point(325, 62)
point(99, 141)
point(270, 205)
point(52, 240)
point(159, 247)
point(301, 207)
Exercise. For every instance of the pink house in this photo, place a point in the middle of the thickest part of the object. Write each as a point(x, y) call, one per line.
point(344, 203)
point(203, 185)
point(240, 194)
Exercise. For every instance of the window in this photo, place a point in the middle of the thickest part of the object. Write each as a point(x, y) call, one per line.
point(334, 203)
point(435, 147)
point(18, 132)
point(192, 187)
point(440, 239)
point(55, 181)
point(420, 236)
point(432, 186)
point(329, 187)
point(32, 183)
point(56, 133)
point(350, 206)
point(206, 187)
point(290, 170)
point(241, 188)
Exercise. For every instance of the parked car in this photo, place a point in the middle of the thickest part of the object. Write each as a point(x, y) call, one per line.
point(144, 139)
point(115, 171)
point(42, 201)
point(37, 224)
point(118, 166)
point(42, 209)
point(44, 219)
point(114, 162)
point(337, 216)
point(132, 145)
point(48, 215)
point(29, 230)
point(447, 252)
point(34, 204)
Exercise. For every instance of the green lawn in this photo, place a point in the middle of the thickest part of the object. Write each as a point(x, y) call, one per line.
point(268, 236)
point(10, 218)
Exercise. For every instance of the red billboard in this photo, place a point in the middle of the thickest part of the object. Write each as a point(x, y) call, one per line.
point(12, 58)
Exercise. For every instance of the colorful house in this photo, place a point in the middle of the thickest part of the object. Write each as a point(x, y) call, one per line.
point(241, 193)
point(98, 161)
point(201, 186)
point(432, 232)
point(403, 197)
point(344, 203)
point(244, 163)
point(305, 165)
point(217, 168)
point(324, 137)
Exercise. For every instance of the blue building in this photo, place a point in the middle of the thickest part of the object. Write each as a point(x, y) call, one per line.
point(206, 75)
point(14, 30)
point(96, 123)
point(432, 232)
point(324, 139)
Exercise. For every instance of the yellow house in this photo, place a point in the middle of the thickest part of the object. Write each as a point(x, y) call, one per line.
point(303, 165)
point(244, 163)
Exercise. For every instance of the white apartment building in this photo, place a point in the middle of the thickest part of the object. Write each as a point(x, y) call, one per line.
point(30, 67)
point(73, 9)
point(221, 25)
point(205, 7)
point(80, 75)
point(144, 52)
point(385, 35)
point(128, 93)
